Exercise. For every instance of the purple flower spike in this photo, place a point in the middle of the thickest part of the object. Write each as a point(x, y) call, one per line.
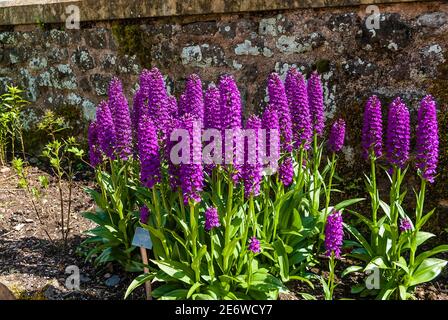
point(211, 219)
point(254, 245)
point(106, 129)
point(194, 99)
point(173, 110)
point(230, 103)
point(316, 102)
point(286, 171)
point(230, 116)
point(122, 119)
point(95, 156)
point(182, 105)
point(337, 136)
point(398, 133)
point(427, 133)
point(212, 118)
point(277, 98)
point(296, 92)
point(334, 234)
point(148, 150)
point(270, 122)
point(372, 130)
point(144, 215)
point(252, 168)
point(405, 225)
point(191, 174)
point(138, 109)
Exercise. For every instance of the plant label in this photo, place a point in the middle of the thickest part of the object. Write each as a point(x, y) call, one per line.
point(142, 238)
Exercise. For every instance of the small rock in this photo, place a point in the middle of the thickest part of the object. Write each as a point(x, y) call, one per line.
point(5, 170)
point(34, 160)
point(84, 278)
point(19, 226)
point(113, 281)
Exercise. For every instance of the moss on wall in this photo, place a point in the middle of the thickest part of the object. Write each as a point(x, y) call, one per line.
point(129, 38)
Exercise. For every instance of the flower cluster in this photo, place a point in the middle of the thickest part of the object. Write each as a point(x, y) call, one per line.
point(254, 245)
point(398, 133)
point(146, 131)
point(334, 234)
point(337, 136)
point(372, 130)
point(211, 219)
point(427, 145)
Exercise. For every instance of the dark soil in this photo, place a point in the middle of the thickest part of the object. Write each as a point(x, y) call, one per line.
point(33, 267)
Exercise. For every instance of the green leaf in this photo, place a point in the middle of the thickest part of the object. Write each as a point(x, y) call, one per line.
point(351, 270)
point(346, 203)
point(141, 279)
point(178, 294)
point(430, 253)
point(402, 290)
point(376, 262)
point(176, 270)
point(422, 236)
point(427, 270)
point(385, 207)
point(360, 238)
point(402, 264)
point(193, 289)
point(424, 219)
point(282, 258)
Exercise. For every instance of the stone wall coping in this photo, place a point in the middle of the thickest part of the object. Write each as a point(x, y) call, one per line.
point(23, 12)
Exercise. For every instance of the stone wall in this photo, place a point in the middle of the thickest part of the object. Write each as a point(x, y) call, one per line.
point(69, 70)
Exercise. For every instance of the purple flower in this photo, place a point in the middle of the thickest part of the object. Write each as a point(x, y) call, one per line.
point(334, 234)
point(211, 219)
point(398, 133)
point(148, 150)
point(95, 156)
point(212, 118)
point(270, 122)
point(191, 175)
point(427, 145)
point(144, 214)
point(277, 98)
point(296, 92)
point(372, 130)
point(252, 168)
point(173, 110)
point(230, 103)
point(254, 245)
point(138, 109)
point(194, 100)
point(173, 169)
point(182, 105)
point(106, 129)
point(286, 171)
point(337, 136)
point(316, 102)
point(230, 119)
point(122, 119)
point(405, 225)
point(153, 87)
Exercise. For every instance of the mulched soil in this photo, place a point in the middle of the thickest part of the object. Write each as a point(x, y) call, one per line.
point(34, 267)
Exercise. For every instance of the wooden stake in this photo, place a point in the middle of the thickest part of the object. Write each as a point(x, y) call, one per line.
point(146, 270)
